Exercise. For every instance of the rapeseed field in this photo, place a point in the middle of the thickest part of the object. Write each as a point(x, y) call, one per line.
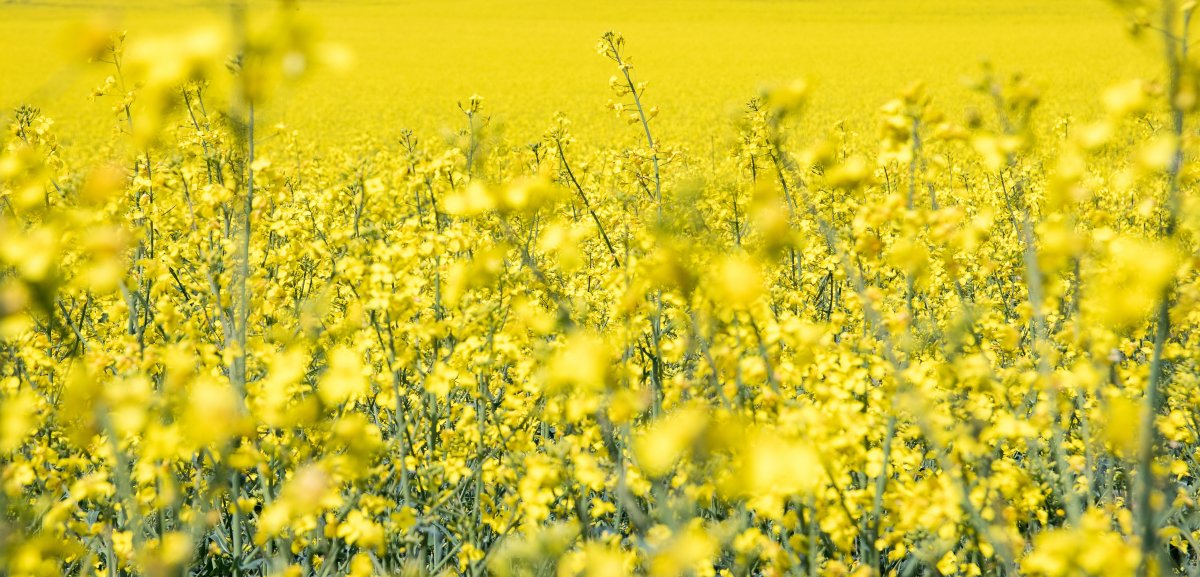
point(711, 287)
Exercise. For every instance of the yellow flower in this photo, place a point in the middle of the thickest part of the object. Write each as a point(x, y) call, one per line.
point(360, 530)
point(344, 380)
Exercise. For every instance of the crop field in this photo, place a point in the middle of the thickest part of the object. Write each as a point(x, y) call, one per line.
point(563, 288)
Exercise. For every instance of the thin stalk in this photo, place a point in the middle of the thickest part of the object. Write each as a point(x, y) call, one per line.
point(1149, 437)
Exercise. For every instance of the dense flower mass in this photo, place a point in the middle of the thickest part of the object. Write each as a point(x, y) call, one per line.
point(969, 346)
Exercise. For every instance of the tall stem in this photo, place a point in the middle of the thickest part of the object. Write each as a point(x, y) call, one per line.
point(238, 376)
point(637, 101)
point(1153, 402)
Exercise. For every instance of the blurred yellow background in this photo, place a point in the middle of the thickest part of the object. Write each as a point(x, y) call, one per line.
point(415, 60)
